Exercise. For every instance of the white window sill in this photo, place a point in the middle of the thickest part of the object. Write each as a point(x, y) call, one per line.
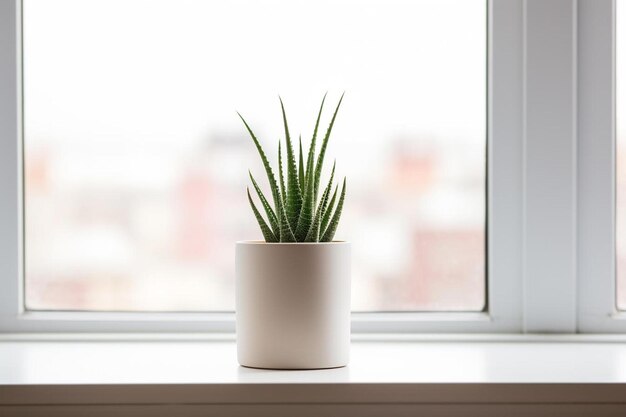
point(82, 373)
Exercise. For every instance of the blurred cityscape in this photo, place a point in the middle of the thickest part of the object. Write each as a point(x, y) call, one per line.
point(136, 166)
point(120, 243)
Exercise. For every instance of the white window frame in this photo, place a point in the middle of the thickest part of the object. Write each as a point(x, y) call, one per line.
point(596, 198)
point(513, 203)
point(550, 152)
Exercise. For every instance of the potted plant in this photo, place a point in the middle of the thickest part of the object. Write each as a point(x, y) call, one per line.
point(293, 289)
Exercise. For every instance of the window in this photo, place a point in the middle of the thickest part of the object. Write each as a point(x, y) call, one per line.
point(135, 162)
point(124, 172)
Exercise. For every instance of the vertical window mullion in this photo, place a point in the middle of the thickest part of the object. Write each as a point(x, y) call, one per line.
point(505, 171)
point(596, 162)
point(550, 166)
point(10, 291)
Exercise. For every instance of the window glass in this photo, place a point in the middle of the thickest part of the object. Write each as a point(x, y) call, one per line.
point(136, 162)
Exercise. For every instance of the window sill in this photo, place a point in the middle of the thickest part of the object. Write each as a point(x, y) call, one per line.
point(418, 373)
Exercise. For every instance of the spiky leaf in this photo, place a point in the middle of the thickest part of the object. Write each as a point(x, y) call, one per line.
point(314, 230)
point(328, 211)
point(296, 217)
point(266, 165)
point(286, 233)
point(301, 168)
point(280, 174)
point(271, 216)
point(267, 232)
point(306, 211)
point(306, 218)
point(322, 207)
point(320, 157)
point(332, 226)
point(294, 196)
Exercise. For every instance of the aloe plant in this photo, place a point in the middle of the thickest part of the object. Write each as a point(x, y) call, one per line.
point(298, 215)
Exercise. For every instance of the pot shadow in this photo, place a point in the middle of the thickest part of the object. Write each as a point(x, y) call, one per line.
point(247, 374)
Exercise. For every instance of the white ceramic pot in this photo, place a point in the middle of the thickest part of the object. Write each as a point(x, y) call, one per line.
point(293, 304)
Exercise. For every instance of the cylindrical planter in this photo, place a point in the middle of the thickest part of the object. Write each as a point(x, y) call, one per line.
point(293, 304)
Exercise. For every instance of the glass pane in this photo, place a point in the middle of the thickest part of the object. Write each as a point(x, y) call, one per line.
point(136, 163)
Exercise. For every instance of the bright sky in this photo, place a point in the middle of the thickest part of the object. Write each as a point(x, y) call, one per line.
point(153, 70)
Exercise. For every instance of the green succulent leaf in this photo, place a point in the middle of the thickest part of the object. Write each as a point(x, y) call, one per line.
point(324, 202)
point(320, 157)
point(316, 225)
point(310, 166)
point(300, 168)
point(297, 216)
point(266, 165)
point(306, 211)
point(332, 227)
point(267, 232)
point(306, 218)
point(314, 230)
point(328, 211)
point(280, 174)
point(286, 233)
point(271, 216)
point(294, 196)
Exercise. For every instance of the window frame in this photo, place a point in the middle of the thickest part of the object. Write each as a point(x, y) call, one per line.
point(597, 169)
point(506, 199)
point(550, 166)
